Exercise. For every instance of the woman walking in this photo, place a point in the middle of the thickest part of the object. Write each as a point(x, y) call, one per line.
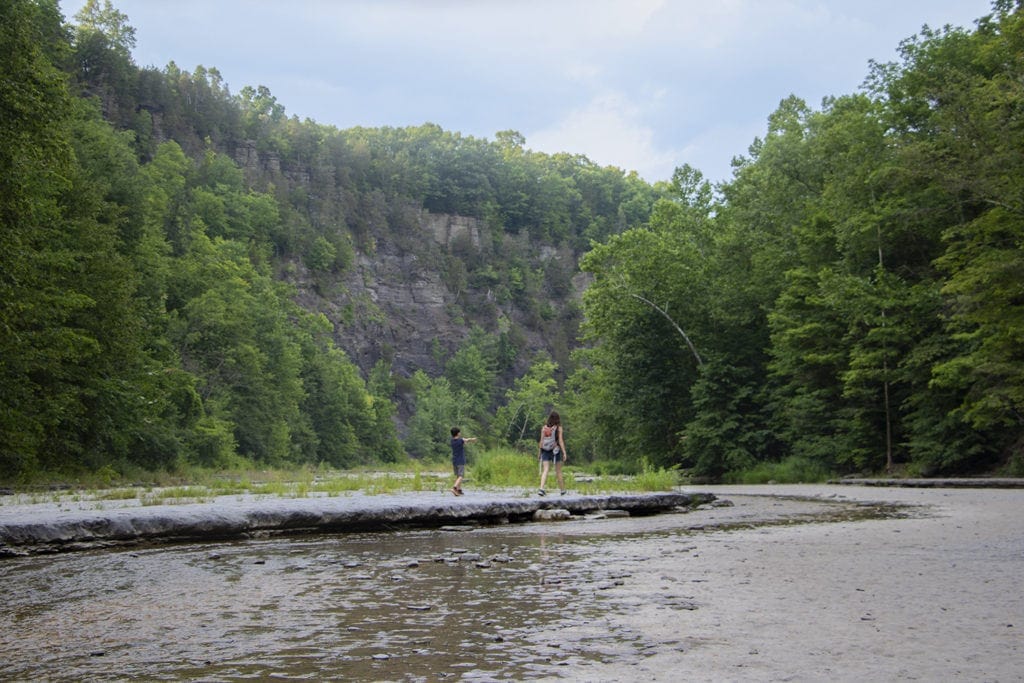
point(551, 449)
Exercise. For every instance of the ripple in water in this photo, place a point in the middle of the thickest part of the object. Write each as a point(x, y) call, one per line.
point(410, 606)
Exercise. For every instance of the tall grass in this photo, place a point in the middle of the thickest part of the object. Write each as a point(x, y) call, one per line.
point(792, 470)
point(504, 467)
point(648, 479)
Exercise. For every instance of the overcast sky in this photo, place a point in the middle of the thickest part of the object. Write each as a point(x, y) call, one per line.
point(644, 85)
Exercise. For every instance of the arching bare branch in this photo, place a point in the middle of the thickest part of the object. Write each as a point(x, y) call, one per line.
point(679, 329)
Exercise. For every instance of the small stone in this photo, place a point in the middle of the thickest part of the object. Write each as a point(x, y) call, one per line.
point(419, 608)
point(381, 657)
point(552, 515)
point(483, 565)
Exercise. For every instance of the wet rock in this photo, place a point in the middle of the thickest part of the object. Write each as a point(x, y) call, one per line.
point(552, 515)
point(471, 557)
point(58, 530)
point(483, 565)
point(501, 558)
point(722, 503)
point(419, 608)
point(412, 564)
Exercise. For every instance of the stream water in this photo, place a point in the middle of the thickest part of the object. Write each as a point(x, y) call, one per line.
point(516, 602)
point(412, 606)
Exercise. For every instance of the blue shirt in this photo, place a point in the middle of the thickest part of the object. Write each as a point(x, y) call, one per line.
point(458, 451)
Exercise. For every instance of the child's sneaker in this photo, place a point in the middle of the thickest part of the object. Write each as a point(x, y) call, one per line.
point(455, 492)
point(459, 491)
point(541, 493)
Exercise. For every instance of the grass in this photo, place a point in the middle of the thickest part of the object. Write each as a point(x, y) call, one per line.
point(792, 470)
point(493, 469)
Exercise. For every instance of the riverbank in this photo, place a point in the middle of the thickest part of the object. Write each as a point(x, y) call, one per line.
point(933, 594)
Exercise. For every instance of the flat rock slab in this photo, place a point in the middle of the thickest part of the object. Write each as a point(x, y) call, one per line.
point(940, 482)
point(27, 531)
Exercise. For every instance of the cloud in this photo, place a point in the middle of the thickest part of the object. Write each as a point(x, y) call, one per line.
point(609, 130)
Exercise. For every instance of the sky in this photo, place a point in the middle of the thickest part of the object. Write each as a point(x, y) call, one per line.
point(642, 85)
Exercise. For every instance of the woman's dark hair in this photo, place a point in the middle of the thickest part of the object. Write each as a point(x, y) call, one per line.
point(554, 419)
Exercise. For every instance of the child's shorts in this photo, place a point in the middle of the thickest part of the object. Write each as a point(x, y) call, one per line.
point(460, 470)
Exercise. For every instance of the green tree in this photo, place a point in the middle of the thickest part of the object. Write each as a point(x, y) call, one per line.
point(438, 409)
point(527, 403)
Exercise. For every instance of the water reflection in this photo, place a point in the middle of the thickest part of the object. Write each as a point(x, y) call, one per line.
point(411, 606)
point(515, 602)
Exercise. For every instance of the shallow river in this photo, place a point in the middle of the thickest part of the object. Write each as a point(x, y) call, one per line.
point(412, 606)
point(499, 603)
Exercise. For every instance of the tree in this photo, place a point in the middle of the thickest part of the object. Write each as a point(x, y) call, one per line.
point(527, 403)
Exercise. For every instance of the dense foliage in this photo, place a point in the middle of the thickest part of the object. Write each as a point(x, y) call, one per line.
point(150, 221)
point(851, 301)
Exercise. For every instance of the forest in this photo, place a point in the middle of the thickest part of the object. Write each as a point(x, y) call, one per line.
point(190, 277)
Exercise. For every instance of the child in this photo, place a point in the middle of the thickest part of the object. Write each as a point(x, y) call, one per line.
point(459, 459)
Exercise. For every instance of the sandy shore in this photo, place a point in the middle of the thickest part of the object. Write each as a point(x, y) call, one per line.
point(934, 596)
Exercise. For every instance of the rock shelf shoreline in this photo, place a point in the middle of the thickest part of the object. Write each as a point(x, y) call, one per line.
point(28, 529)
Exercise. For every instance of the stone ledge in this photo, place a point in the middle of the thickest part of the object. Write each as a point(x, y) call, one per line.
point(53, 531)
point(939, 482)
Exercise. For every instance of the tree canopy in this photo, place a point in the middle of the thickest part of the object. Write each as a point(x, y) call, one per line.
point(849, 301)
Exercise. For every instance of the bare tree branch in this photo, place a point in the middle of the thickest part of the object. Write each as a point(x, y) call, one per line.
point(674, 324)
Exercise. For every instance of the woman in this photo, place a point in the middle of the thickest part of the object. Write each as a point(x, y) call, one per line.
point(551, 449)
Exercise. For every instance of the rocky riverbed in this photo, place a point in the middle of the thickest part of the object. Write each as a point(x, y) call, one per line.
point(795, 583)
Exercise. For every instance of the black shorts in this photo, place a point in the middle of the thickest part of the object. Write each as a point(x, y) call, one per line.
point(550, 456)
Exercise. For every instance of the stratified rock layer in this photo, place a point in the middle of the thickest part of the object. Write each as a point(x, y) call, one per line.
point(229, 518)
